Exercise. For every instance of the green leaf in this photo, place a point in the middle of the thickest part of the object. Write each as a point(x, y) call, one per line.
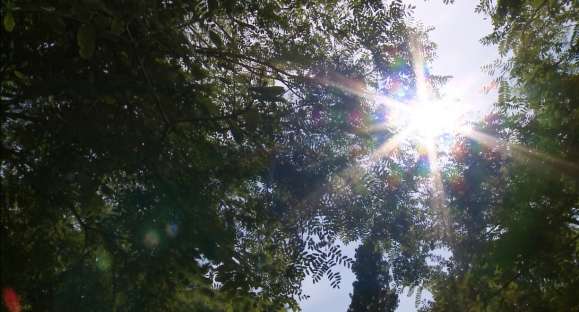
point(20, 75)
point(197, 71)
point(237, 134)
point(269, 93)
point(212, 5)
point(251, 119)
point(117, 26)
point(9, 22)
point(210, 106)
point(216, 39)
point(85, 38)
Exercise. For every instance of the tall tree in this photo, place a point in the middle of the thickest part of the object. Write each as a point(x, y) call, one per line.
point(372, 291)
point(395, 228)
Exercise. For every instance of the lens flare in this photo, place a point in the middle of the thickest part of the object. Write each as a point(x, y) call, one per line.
point(151, 239)
point(424, 121)
point(11, 300)
point(103, 260)
point(172, 230)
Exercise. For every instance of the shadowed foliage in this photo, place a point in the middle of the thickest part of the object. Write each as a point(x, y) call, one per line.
point(516, 243)
point(179, 155)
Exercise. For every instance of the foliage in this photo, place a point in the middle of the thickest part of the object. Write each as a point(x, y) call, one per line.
point(372, 286)
point(182, 155)
point(514, 204)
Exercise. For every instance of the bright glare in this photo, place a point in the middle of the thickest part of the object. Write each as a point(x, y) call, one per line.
point(424, 121)
point(427, 120)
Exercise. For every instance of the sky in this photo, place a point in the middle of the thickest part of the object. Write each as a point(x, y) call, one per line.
point(457, 32)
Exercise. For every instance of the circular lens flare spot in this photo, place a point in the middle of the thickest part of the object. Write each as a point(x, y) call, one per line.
point(103, 260)
point(172, 230)
point(11, 300)
point(151, 239)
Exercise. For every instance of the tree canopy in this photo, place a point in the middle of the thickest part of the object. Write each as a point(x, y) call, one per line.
point(209, 155)
point(514, 200)
point(188, 155)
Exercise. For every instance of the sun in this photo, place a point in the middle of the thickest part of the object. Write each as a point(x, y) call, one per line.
point(429, 120)
point(428, 126)
point(424, 121)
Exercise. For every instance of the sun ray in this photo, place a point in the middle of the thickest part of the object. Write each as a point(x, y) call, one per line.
point(422, 89)
point(521, 151)
point(359, 89)
point(437, 200)
point(421, 120)
point(389, 146)
point(378, 127)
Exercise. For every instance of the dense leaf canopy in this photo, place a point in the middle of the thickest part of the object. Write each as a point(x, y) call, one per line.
point(515, 201)
point(209, 155)
point(191, 155)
